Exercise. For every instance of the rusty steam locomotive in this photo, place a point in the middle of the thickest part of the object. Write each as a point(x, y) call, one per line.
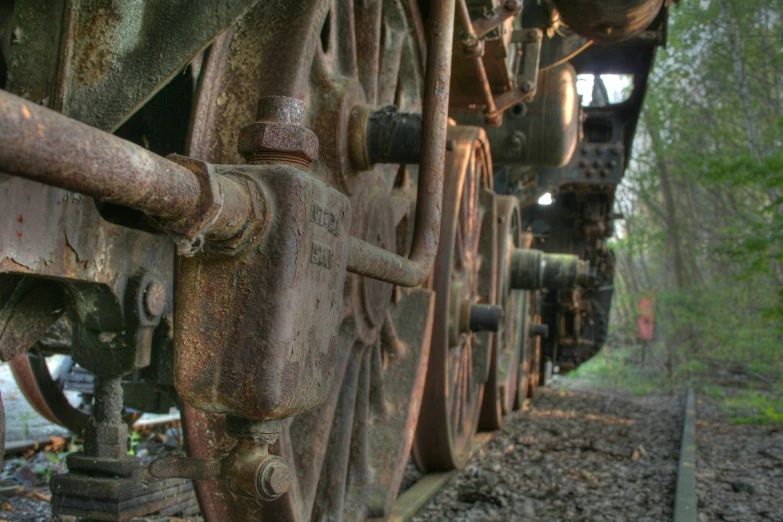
point(313, 226)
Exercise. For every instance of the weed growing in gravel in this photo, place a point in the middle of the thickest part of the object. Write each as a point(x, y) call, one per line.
point(753, 407)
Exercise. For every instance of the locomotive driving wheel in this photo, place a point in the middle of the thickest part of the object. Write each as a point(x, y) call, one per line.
point(505, 373)
point(347, 457)
point(463, 276)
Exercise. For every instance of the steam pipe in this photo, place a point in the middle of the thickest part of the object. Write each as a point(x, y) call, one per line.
point(371, 261)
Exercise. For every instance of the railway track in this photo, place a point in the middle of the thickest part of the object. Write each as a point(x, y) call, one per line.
point(412, 500)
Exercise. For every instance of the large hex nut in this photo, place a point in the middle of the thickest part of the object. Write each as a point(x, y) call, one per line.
point(259, 139)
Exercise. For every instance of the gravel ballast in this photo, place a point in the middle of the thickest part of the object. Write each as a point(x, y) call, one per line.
point(572, 455)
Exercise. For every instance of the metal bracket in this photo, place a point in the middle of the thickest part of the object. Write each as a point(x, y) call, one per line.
point(527, 71)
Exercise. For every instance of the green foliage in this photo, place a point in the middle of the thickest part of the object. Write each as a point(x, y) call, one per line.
point(753, 407)
point(614, 369)
point(703, 203)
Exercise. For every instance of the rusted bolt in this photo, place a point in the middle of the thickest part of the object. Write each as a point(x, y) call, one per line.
point(274, 478)
point(485, 318)
point(154, 299)
point(527, 86)
point(279, 136)
point(281, 109)
point(511, 5)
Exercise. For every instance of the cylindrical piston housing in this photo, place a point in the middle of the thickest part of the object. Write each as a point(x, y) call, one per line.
point(532, 270)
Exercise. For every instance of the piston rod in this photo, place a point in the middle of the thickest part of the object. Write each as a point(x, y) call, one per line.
point(42, 145)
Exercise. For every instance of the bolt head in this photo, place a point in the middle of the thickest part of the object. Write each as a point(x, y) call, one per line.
point(274, 478)
point(285, 138)
point(511, 5)
point(154, 299)
point(528, 86)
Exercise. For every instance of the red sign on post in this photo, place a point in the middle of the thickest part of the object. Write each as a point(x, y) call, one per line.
point(645, 330)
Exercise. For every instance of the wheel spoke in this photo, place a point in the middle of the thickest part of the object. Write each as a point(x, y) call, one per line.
point(368, 45)
point(343, 37)
point(393, 40)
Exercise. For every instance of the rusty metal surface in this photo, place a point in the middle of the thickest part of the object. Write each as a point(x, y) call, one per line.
point(47, 147)
point(34, 55)
point(279, 135)
point(29, 309)
point(94, 261)
point(459, 360)
point(187, 196)
point(368, 260)
point(115, 502)
point(275, 359)
point(381, 357)
point(544, 132)
point(117, 55)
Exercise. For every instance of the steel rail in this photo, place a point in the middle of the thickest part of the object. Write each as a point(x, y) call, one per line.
point(371, 261)
point(685, 495)
point(412, 500)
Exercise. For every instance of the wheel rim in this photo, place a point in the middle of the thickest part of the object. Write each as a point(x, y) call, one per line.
point(530, 362)
point(349, 455)
point(45, 394)
point(507, 347)
point(464, 273)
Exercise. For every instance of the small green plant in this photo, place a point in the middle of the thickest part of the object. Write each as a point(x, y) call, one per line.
point(26, 417)
point(133, 439)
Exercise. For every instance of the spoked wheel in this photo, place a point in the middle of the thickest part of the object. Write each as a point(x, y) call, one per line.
point(464, 275)
point(45, 390)
point(506, 374)
point(348, 456)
